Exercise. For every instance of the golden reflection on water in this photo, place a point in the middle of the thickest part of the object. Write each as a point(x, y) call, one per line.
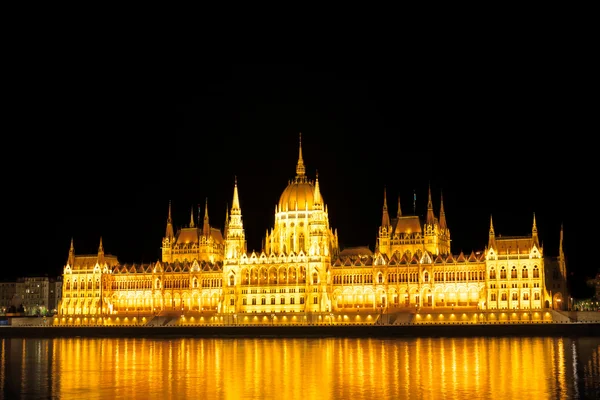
point(271, 368)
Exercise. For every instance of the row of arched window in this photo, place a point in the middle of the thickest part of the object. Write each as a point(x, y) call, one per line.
point(514, 297)
point(82, 285)
point(514, 273)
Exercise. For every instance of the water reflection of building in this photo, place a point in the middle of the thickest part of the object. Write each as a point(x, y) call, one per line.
point(27, 369)
point(319, 368)
point(301, 268)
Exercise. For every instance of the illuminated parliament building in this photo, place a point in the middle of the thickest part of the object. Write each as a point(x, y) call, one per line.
point(301, 268)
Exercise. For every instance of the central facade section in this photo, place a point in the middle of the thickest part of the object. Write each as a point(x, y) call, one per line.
point(292, 272)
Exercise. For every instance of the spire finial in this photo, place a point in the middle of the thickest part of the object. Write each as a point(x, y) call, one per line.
point(235, 205)
point(384, 198)
point(206, 227)
point(443, 224)
point(492, 236)
point(192, 225)
point(385, 219)
point(318, 200)
point(430, 214)
point(560, 247)
point(399, 208)
point(300, 169)
point(534, 232)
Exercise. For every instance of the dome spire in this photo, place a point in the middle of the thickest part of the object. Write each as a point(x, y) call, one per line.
point(300, 169)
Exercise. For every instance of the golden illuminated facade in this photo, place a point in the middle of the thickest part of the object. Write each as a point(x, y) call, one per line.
point(301, 268)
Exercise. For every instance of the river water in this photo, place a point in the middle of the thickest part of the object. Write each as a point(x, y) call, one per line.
point(294, 368)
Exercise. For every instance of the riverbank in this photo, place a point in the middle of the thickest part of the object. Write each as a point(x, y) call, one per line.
point(433, 330)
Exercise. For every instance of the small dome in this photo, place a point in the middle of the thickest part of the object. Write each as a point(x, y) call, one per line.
point(299, 191)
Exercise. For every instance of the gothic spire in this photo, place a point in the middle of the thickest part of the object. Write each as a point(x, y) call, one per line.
point(71, 259)
point(101, 253)
point(385, 219)
point(226, 220)
point(399, 208)
point(169, 233)
point(192, 225)
point(430, 215)
point(560, 245)
point(300, 169)
point(443, 225)
point(235, 205)
point(206, 227)
point(534, 233)
point(317, 198)
point(492, 239)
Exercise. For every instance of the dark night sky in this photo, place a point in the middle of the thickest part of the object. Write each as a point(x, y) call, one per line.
point(114, 151)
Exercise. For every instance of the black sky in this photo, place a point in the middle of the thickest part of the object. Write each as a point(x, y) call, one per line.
point(114, 151)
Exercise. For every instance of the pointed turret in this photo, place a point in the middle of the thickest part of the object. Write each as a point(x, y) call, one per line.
point(300, 169)
point(71, 258)
point(534, 233)
point(492, 238)
point(226, 220)
point(561, 255)
point(235, 205)
point(267, 245)
point(206, 227)
point(430, 216)
point(399, 208)
point(443, 225)
point(385, 219)
point(235, 238)
point(169, 233)
point(100, 253)
point(192, 225)
point(318, 200)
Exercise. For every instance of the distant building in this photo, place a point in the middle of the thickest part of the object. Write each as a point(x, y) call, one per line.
point(38, 295)
point(8, 291)
point(301, 268)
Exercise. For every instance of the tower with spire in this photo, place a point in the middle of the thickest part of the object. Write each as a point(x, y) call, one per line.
point(193, 242)
point(235, 240)
point(407, 234)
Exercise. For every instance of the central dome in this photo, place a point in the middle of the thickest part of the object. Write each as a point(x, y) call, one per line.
point(299, 192)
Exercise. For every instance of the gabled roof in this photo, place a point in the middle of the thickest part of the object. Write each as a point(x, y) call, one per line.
point(473, 257)
point(514, 244)
point(407, 224)
point(356, 251)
